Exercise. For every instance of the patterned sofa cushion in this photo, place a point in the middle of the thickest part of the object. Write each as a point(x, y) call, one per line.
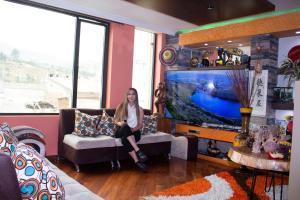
point(36, 178)
point(77, 142)
point(86, 125)
point(149, 124)
point(151, 138)
point(106, 125)
point(8, 142)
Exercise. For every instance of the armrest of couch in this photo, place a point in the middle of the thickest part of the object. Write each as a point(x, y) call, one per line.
point(9, 186)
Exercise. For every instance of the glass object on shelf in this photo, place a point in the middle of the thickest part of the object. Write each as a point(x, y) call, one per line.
point(282, 94)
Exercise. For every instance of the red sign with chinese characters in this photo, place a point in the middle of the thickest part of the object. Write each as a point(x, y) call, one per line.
point(294, 53)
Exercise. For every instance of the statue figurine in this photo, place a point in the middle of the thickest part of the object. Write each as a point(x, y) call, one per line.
point(160, 94)
point(229, 62)
point(220, 60)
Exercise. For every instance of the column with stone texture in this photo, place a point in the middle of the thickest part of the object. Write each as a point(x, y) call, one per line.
point(264, 49)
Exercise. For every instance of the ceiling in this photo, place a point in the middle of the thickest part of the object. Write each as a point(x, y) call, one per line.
point(206, 11)
point(152, 20)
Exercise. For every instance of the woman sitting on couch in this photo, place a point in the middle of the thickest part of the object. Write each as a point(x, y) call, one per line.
point(129, 118)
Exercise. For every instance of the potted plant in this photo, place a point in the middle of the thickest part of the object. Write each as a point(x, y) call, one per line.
point(290, 69)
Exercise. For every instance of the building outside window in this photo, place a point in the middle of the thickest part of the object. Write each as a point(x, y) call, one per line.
point(143, 65)
point(37, 60)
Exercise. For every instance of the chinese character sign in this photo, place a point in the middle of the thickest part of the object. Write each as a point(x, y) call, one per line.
point(260, 90)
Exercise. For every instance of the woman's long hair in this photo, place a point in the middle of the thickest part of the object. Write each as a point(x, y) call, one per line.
point(122, 111)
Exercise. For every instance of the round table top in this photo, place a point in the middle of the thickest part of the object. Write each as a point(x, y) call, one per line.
point(244, 156)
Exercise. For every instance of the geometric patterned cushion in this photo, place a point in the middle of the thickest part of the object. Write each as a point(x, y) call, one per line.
point(8, 142)
point(106, 125)
point(36, 178)
point(149, 124)
point(86, 125)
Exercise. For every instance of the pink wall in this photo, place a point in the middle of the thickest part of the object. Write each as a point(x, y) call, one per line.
point(120, 61)
point(159, 68)
point(48, 124)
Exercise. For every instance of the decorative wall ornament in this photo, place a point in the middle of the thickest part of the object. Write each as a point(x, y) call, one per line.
point(259, 100)
point(168, 56)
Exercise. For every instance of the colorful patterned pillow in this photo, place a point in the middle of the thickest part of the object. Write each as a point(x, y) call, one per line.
point(106, 125)
point(36, 178)
point(86, 125)
point(149, 124)
point(8, 142)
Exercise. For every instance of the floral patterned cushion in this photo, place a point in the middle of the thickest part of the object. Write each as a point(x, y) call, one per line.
point(36, 178)
point(86, 125)
point(8, 142)
point(106, 125)
point(149, 124)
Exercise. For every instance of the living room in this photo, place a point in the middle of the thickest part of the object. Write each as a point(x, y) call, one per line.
point(98, 50)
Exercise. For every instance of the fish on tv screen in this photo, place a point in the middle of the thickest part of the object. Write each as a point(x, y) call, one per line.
point(202, 96)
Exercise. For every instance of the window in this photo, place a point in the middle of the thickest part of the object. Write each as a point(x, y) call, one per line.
point(143, 65)
point(38, 65)
point(89, 90)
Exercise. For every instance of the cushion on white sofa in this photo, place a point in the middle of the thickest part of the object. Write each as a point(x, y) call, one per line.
point(151, 138)
point(78, 142)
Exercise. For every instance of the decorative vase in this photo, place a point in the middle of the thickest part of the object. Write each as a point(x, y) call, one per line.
point(246, 115)
point(241, 139)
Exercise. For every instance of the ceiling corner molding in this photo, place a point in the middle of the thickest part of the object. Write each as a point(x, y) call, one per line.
point(266, 23)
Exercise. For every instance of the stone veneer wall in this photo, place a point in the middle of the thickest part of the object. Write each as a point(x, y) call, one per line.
point(268, 56)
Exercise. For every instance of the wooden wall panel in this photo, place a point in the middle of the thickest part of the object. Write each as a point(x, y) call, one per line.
point(274, 24)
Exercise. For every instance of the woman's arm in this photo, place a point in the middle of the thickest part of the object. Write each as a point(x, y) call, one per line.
point(140, 121)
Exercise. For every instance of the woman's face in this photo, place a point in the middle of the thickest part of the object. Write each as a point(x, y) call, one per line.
point(131, 96)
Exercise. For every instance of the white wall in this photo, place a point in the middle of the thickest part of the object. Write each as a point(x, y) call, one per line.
point(285, 44)
point(281, 114)
point(294, 178)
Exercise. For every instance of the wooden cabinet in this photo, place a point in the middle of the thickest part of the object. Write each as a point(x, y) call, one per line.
point(164, 125)
point(207, 133)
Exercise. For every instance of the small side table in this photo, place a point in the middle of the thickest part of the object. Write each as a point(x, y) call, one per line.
point(192, 145)
point(244, 156)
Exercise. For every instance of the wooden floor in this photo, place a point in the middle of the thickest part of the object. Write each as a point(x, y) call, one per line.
point(128, 183)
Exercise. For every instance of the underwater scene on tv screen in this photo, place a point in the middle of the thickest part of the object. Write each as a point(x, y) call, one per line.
point(203, 96)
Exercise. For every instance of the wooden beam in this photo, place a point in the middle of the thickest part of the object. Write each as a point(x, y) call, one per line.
point(273, 24)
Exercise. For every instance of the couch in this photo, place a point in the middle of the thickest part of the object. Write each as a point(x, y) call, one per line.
point(86, 150)
point(9, 187)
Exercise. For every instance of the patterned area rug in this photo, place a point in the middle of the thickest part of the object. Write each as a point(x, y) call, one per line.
point(220, 186)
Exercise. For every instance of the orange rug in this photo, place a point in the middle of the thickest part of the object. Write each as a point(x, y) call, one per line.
point(220, 186)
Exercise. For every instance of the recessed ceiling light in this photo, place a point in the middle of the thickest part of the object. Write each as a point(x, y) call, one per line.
point(229, 41)
point(297, 32)
point(240, 45)
point(205, 44)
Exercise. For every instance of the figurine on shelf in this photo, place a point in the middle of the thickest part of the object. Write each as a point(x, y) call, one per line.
point(205, 60)
point(220, 60)
point(237, 62)
point(161, 95)
point(229, 61)
point(212, 148)
point(289, 126)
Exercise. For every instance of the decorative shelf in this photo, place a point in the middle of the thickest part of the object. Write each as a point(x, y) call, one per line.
point(283, 106)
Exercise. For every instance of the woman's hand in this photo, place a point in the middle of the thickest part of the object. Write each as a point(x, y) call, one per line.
point(134, 129)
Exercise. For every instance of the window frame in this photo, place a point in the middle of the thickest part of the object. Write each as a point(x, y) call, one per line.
point(153, 67)
point(80, 17)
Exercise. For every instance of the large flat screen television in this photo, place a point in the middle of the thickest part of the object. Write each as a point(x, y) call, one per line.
point(202, 96)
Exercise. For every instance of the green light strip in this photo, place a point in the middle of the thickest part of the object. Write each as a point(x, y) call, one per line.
point(240, 20)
